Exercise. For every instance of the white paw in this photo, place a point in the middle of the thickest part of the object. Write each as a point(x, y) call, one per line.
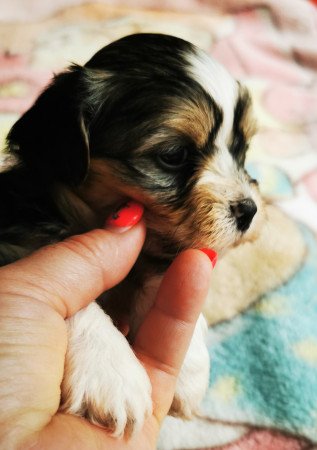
point(103, 379)
point(193, 379)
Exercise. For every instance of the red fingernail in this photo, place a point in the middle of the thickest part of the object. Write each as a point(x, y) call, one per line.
point(126, 216)
point(212, 255)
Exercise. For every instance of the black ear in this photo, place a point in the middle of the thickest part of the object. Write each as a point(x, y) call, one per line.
point(50, 138)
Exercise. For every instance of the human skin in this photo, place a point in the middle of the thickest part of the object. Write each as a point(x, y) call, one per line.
point(39, 292)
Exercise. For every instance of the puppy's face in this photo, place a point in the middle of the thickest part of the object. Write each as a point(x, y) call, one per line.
point(166, 125)
point(174, 137)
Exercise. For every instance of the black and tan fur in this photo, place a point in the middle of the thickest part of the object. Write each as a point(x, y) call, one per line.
point(134, 122)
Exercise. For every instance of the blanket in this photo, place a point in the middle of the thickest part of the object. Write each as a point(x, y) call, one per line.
point(263, 380)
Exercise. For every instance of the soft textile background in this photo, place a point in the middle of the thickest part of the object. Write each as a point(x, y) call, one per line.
point(262, 396)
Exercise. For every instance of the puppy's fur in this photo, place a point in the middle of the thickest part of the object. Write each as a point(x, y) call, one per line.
point(149, 117)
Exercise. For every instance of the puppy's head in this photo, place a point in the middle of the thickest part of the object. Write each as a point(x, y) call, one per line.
point(153, 118)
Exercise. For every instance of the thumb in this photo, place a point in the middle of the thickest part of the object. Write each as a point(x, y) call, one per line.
point(70, 274)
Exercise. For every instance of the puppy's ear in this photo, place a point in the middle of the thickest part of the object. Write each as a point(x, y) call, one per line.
point(50, 138)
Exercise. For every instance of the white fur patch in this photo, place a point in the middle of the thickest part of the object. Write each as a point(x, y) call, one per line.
point(219, 84)
point(103, 379)
point(222, 174)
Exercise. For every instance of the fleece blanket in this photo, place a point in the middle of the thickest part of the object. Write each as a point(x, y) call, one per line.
point(263, 381)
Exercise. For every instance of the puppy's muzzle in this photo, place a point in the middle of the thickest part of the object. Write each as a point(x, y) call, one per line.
point(244, 212)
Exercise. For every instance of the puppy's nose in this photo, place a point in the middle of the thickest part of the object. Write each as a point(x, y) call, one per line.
point(244, 212)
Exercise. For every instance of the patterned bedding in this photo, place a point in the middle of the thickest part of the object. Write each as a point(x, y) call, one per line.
point(263, 385)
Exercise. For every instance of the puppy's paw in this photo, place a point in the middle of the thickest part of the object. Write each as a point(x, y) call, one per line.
point(118, 401)
point(103, 380)
point(193, 379)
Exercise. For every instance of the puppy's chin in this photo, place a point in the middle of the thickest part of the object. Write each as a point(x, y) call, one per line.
point(200, 223)
point(170, 233)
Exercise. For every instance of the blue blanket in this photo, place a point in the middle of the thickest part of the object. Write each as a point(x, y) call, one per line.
point(264, 361)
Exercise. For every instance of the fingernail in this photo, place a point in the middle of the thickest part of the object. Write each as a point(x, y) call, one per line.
point(125, 217)
point(212, 255)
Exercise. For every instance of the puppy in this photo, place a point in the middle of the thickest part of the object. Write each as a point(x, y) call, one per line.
point(152, 118)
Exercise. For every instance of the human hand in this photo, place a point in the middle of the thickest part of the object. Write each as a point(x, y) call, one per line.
point(40, 291)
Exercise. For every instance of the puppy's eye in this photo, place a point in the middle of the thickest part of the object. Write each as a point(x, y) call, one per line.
point(173, 159)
